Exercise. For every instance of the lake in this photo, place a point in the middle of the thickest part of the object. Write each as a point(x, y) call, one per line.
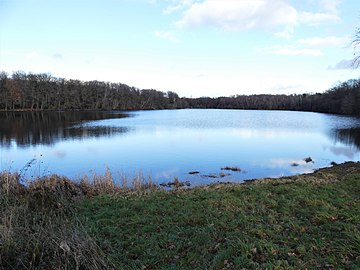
point(172, 143)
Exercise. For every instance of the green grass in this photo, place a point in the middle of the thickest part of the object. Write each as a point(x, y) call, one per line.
point(301, 222)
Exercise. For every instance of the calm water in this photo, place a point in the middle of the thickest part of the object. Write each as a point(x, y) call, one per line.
point(167, 144)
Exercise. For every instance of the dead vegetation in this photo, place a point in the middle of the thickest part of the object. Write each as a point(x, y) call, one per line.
point(39, 228)
point(231, 168)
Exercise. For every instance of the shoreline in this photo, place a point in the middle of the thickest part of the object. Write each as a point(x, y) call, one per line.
point(329, 174)
point(305, 221)
point(172, 109)
point(334, 172)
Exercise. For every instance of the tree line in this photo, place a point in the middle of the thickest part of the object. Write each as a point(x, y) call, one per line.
point(28, 91)
point(344, 98)
point(45, 92)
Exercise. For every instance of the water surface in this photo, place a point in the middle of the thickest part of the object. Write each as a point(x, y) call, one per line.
point(171, 143)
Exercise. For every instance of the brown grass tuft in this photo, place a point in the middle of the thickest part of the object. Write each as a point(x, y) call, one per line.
point(39, 228)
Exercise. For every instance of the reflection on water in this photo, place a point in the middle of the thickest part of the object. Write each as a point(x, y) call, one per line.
point(48, 128)
point(349, 136)
point(167, 144)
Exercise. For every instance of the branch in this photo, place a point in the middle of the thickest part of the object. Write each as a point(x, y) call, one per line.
point(356, 43)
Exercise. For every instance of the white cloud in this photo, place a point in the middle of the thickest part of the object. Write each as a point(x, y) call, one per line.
point(171, 9)
point(177, 5)
point(287, 33)
point(169, 36)
point(239, 15)
point(152, 2)
point(303, 52)
point(290, 50)
point(330, 5)
point(307, 46)
point(312, 18)
point(328, 13)
point(324, 41)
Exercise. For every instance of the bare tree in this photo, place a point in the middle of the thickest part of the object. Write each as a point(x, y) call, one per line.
point(356, 45)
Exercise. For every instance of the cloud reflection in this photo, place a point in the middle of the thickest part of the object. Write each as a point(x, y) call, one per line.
point(344, 151)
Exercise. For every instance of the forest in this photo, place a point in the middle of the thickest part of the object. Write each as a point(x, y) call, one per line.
point(28, 91)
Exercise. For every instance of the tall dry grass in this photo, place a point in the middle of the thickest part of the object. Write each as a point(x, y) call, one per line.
point(39, 228)
point(108, 184)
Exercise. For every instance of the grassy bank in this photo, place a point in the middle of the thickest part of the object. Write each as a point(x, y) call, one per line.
point(308, 221)
point(39, 227)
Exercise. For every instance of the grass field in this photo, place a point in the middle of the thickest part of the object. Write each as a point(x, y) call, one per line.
point(302, 222)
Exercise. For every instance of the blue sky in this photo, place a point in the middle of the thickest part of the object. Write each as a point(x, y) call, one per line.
point(193, 47)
